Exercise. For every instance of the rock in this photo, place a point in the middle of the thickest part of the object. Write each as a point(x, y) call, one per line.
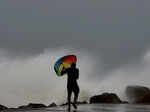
point(3, 107)
point(105, 98)
point(145, 99)
point(32, 105)
point(138, 94)
point(82, 102)
point(52, 105)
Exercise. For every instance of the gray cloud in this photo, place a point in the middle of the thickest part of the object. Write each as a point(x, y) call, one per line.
point(116, 31)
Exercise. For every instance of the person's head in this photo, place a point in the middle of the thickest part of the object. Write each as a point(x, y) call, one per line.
point(73, 65)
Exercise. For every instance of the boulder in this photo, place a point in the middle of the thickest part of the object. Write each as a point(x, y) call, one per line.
point(52, 105)
point(145, 99)
point(138, 94)
point(105, 98)
point(3, 107)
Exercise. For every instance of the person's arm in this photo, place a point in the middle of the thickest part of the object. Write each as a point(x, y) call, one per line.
point(64, 71)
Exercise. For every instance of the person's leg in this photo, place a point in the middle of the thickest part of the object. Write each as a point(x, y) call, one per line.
point(76, 92)
point(75, 97)
point(75, 101)
point(69, 99)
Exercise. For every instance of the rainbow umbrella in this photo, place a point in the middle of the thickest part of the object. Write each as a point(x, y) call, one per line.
point(64, 62)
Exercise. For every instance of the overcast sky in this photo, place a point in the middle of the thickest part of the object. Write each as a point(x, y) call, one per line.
point(110, 38)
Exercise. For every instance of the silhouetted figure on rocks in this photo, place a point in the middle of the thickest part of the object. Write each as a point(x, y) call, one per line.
point(72, 85)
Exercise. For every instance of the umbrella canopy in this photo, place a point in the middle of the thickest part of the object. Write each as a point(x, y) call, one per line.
point(64, 63)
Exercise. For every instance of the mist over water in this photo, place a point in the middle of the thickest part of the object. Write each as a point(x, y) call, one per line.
point(32, 79)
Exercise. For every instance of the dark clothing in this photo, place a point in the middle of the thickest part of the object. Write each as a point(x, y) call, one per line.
point(73, 75)
point(72, 85)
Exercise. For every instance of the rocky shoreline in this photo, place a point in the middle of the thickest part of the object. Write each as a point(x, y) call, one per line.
point(135, 95)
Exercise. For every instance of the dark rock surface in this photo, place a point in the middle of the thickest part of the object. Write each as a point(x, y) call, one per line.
point(138, 94)
point(52, 105)
point(105, 98)
point(3, 107)
point(145, 99)
point(82, 102)
point(32, 105)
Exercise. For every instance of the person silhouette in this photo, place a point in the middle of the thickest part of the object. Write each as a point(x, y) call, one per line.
point(72, 85)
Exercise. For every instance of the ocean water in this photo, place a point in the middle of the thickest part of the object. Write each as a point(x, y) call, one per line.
point(94, 108)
